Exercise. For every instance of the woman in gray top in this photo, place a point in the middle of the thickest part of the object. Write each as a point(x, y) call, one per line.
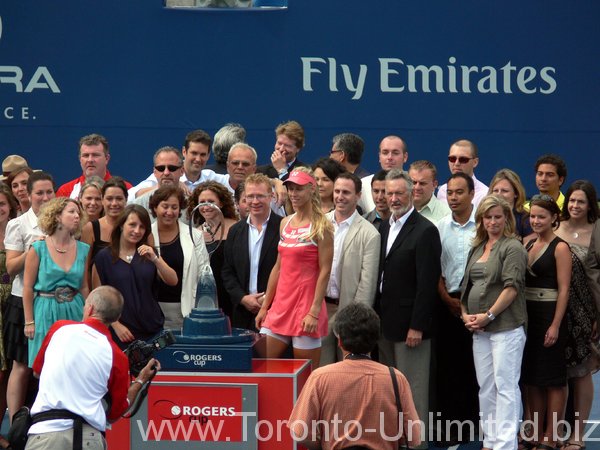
point(493, 308)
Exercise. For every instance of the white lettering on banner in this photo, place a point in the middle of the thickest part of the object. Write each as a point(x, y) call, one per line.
point(395, 75)
point(198, 360)
point(307, 69)
point(41, 79)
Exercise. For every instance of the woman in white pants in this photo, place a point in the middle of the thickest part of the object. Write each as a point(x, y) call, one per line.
point(493, 308)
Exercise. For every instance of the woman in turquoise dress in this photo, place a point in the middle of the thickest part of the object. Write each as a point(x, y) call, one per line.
point(54, 281)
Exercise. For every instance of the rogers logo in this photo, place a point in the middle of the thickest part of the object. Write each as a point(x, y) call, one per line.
point(170, 410)
point(197, 360)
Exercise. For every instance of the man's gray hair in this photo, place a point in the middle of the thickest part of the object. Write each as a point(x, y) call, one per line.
point(107, 302)
point(225, 138)
point(397, 174)
point(245, 146)
point(168, 149)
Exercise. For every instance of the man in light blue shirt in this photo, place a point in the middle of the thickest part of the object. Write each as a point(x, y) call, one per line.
point(456, 383)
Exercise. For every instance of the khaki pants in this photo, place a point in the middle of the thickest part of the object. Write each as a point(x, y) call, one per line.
point(63, 440)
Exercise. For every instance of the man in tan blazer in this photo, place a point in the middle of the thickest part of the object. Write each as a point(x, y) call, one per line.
point(355, 258)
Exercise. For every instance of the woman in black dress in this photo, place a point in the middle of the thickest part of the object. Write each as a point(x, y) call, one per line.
point(547, 288)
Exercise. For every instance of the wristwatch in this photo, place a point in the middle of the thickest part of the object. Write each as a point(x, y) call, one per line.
point(490, 315)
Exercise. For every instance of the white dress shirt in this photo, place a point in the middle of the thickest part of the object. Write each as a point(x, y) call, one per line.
point(205, 175)
point(20, 234)
point(255, 242)
point(340, 232)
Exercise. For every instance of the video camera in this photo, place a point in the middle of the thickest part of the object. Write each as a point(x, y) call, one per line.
point(140, 352)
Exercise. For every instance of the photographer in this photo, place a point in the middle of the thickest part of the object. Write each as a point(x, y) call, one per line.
point(78, 365)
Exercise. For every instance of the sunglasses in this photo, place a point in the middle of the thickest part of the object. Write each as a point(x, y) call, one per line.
point(460, 159)
point(171, 168)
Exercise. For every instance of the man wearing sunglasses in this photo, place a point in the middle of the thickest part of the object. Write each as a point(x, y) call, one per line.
point(196, 151)
point(168, 168)
point(464, 157)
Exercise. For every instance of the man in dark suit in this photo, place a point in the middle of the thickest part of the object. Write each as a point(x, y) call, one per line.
point(251, 252)
point(410, 269)
point(289, 140)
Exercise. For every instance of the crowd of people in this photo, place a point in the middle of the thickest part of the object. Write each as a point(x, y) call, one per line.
point(488, 301)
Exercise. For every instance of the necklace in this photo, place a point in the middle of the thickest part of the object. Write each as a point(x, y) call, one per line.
point(126, 257)
point(206, 227)
point(576, 235)
point(60, 250)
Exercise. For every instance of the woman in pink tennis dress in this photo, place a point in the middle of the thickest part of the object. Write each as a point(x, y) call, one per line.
point(293, 308)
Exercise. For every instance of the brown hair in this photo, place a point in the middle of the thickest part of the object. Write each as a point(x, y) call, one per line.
point(164, 193)
point(292, 130)
point(222, 193)
point(115, 236)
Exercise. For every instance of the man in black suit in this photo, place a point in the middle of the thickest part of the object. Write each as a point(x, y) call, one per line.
point(410, 269)
point(289, 140)
point(251, 252)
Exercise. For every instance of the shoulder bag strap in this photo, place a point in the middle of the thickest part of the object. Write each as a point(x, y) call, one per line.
point(396, 394)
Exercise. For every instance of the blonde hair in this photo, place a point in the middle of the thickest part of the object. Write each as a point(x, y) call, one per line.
point(48, 220)
point(515, 182)
point(320, 224)
point(489, 202)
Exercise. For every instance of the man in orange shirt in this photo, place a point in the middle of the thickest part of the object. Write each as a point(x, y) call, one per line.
point(351, 404)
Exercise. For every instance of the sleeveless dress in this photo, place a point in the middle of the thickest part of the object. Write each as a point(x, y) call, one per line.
point(296, 286)
point(47, 310)
point(581, 313)
point(98, 244)
point(543, 366)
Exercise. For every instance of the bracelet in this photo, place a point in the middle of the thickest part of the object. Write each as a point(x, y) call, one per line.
point(155, 258)
point(309, 314)
point(137, 380)
point(30, 323)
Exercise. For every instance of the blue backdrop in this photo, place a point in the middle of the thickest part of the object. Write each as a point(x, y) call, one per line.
point(518, 78)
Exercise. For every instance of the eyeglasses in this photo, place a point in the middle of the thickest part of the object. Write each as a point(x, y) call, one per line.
point(163, 167)
point(460, 159)
point(253, 197)
point(542, 197)
point(335, 151)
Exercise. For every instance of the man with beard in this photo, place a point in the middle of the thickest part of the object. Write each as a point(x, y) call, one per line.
point(409, 275)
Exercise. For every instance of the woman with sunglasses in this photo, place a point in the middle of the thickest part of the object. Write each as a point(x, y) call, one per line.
point(547, 282)
point(293, 308)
